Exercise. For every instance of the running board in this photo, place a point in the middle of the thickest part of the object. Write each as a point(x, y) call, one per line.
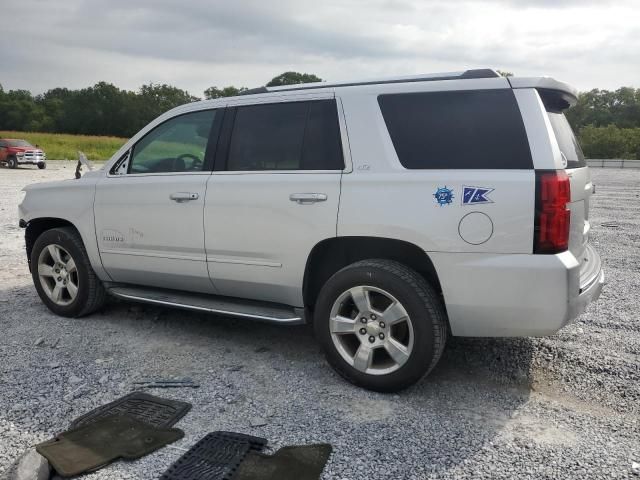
point(233, 307)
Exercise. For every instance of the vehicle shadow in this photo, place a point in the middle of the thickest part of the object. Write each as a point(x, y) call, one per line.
point(248, 368)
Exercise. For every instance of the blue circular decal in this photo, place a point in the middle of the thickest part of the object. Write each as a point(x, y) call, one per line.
point(444, 196)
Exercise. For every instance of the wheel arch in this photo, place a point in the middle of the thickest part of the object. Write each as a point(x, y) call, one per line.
point(332, 254)
point(35, 227)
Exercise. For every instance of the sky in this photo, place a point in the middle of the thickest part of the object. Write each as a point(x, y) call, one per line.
point(196, 44)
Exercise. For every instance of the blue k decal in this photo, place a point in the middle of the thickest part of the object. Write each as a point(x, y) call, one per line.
point(476, 195)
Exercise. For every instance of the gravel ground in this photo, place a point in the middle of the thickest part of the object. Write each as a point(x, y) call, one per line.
point(565, 406)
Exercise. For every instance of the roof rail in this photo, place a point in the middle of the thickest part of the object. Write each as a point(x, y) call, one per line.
point(467, 74)
point(253, 91)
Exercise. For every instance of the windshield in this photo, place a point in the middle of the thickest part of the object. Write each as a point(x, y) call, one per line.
point(567, 141)
point(19, 143)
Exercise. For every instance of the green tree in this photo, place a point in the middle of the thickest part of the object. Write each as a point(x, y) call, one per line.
point(19, 111)
point(293, 78)
point(212, 93)
point(102, 109)
point(610, 142)
point(165, 96)
point(55, 103)
point(502, 73)
point(153, 100)
point(601, 108)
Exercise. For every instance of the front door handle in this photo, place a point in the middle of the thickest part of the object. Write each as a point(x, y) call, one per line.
point(183, 196)
point(306, 198)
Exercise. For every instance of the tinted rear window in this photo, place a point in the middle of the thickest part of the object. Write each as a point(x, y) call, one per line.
point(457, 130)
point(567, 141)
point(286, 136)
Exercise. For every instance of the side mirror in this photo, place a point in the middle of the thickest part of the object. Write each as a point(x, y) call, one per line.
point(82, 160)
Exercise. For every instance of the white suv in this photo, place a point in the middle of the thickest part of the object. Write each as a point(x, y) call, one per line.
point(390, 213)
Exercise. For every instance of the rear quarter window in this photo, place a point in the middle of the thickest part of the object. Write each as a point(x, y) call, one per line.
point(457, 130)
point(567, 141)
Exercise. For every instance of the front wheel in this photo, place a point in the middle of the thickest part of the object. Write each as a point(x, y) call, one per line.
point(42, 165)
point(12, 162)
point(62, 274)
point(381, 325)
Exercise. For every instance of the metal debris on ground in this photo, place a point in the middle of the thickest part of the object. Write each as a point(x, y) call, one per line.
point(167, 383)
point(257, 422)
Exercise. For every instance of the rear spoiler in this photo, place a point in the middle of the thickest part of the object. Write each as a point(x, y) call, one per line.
point(555, 95)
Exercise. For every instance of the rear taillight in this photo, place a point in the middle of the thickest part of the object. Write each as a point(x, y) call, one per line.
point(553, 194)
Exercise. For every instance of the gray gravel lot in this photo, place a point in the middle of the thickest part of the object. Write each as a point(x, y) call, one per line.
point(565, 406)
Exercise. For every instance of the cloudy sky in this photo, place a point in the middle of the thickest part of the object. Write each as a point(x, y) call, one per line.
point(194, 44)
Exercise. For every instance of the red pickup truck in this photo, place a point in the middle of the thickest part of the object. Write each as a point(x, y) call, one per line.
point(15, 152)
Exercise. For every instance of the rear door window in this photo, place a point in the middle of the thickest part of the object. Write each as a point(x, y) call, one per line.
point(567, 141)
point(457, 130)
point(286, 136)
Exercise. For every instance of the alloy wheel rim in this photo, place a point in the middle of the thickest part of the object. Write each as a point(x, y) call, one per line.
point(58, 275)
point(371, 330)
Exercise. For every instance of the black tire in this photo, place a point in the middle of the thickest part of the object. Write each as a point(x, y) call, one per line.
point(91, 293)
point(42, 165)
point(12, 162)
point(419, 299)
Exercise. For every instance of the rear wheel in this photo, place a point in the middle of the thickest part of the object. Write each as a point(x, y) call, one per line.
point(381, 325)
point(12, 162)
point(62, 274)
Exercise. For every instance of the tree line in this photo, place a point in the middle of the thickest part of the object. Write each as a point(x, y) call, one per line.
point(105, 109)
point(607, 121)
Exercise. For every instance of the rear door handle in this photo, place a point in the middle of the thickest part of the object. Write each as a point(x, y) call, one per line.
point(183, 196)
point(306, 198)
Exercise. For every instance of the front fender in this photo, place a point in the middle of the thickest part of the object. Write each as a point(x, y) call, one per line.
point(68, 200)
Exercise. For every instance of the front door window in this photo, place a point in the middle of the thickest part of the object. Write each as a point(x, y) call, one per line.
point(177, 145)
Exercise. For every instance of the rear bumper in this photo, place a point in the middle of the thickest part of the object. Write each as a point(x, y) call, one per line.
point(578, 304)
point(591, 281)
point(515, 295)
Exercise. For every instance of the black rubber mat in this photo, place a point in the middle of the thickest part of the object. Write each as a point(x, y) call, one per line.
point(215, 457)
point(103, 441)
point(155, 411)
point(289, 463)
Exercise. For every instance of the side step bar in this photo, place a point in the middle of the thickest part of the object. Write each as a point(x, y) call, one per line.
point(233, 307)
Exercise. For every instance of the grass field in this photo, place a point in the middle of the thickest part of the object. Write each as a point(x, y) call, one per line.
point(60, 146)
